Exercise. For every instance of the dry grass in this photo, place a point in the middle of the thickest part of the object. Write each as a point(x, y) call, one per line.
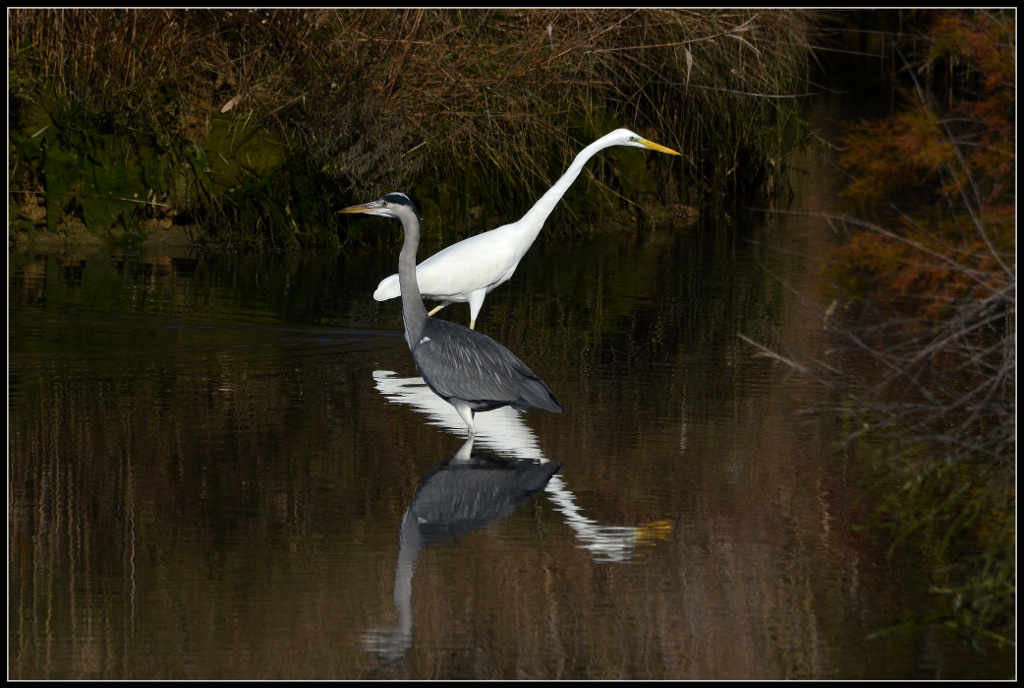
point(490, 103)
point(520, 92)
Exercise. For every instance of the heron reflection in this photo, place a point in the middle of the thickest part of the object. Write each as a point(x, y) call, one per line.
point(503, 431)
point(464, 493)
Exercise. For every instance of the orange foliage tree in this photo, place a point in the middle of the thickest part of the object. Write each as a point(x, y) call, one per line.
point(935, 258)
point(938, 179)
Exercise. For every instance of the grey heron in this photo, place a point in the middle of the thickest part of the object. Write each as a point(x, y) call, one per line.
point(469, 370)
point(472, 268)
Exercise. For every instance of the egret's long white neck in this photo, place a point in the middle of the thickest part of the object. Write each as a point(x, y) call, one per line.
point(534, 219)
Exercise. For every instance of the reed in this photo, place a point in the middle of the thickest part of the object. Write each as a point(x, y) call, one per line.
point(478, 106)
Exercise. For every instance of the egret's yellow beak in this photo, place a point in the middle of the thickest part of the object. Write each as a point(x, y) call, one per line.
point(658, 147)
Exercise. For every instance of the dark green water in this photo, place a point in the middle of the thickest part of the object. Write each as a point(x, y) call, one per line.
point(212, 459)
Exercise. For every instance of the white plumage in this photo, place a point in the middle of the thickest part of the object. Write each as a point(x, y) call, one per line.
point(470, 269)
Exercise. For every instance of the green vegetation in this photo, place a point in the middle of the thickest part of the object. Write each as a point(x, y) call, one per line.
point(933, 267)
point(254, 126)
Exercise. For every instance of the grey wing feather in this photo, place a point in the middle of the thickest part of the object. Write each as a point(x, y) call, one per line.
point(461, 363)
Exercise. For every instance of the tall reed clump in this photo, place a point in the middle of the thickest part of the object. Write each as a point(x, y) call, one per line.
point(121, 115)
point(266, 118)
point(514, 95)
point(933, 268)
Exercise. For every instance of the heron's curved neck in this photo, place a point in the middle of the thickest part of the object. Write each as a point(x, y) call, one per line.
point(535, 216)
point(413, 311)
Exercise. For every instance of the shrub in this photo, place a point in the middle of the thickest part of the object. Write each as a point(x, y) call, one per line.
point(933, 267)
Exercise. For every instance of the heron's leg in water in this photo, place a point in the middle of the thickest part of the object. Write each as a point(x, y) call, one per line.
point(466, 413)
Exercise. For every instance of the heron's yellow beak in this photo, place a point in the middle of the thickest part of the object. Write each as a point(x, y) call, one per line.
point(658, 147)
point(361, 208)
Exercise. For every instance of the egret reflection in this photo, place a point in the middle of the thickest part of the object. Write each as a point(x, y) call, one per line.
point(504, 432)
point(466, 492)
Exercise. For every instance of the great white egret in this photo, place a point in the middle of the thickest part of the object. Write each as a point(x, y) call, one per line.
point(472, 268)
point(469, 370)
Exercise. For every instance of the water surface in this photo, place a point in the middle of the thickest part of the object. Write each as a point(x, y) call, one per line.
point(225, 467)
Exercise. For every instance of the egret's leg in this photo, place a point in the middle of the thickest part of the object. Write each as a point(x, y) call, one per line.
point(476, 302)
point(437, 308)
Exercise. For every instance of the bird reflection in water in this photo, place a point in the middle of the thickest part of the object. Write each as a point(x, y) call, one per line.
point(504, 432)
point(467, 492)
